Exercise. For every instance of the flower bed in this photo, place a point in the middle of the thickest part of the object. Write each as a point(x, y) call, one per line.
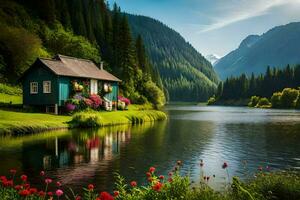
point(266, 185)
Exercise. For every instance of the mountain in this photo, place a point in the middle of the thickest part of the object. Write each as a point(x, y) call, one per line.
point(186, 74)
point(276, 48)
point(213, 58)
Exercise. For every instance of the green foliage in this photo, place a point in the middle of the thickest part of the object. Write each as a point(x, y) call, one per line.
point(154, 94)
point(211, 101)
point(276, 100)
point(289, 98)
point(11, 90)
point(253, 101)
point(263, 103)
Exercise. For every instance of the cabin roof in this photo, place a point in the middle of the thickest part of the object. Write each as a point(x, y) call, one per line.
point(76, 67)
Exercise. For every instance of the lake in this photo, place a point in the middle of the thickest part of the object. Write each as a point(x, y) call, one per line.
point(244, 138)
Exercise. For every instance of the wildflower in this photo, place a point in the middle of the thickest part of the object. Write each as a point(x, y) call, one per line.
point(24, 178)
point(116, 193)
point(78, 198)
point(152, 169)
point(33, 190)
point(18, 187)
point(91, 187)
point(225, 165)
point(106, 196)
point(50, 194)
point(48, 181)
point(13, 171)
point(133, 184)
point(161, 177)
point(58, 184)
point(59, 192)
point(42, 173)
point(170, 180)
point(148, 174)
point(42, 193)
point(24, 193)
point(260, 168)
point(157, 186)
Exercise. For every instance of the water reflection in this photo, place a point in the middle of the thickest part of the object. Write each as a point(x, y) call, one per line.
point(245, 138)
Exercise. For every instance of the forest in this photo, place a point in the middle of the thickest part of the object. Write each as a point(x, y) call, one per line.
point(264, 85)
point(80, 28)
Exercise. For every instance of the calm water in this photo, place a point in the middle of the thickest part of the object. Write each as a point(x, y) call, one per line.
point(215, 134)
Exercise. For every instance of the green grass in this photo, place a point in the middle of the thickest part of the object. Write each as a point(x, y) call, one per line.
point(10, 99)
point(100, 119)
point(22, 123)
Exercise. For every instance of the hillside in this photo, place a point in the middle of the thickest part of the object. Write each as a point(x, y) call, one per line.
point(186, 74)
point(277, 48)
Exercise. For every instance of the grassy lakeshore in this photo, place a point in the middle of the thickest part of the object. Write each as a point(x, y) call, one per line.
point(24, 123)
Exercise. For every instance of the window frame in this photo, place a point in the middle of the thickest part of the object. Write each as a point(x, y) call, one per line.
point(32, 83)
point(44, 88)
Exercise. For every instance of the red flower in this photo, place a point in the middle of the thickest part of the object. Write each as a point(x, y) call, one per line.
point(133, 184)
point(59, 192)
point(8, 183)
point(18, 187)
point(48, 181)
point(91, 187)
point(24, 193)
point(152, 169)
point(170, 174)
point(13, 171)
point(58, 184)
point(42, 173)
point(157, 186)
point(42, 193)
point(33, 190)
point(225, 165)
point(24, 178)
point(148, 174)
point(3, 178)
point(161, 177)
point(78, 198)
point(50, 194)
point(106, 196)
point(170, 180)
point(26, 185)
point(116, 193)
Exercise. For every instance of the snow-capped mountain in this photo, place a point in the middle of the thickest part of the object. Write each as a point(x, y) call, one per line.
point(213, 58)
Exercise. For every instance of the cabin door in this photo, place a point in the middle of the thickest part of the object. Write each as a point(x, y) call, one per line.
point(94, 86)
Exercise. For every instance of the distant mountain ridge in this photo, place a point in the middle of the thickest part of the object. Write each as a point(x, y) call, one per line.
point(277, 48)
point(186, 74)
point(213, 58)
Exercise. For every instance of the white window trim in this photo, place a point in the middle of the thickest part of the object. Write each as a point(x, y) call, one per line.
point(31, 87)
point(44, 88)
point(94, 86)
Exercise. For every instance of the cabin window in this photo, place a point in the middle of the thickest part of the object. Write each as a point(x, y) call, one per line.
point(34, 87)
point(47, 86)
point(94, 87)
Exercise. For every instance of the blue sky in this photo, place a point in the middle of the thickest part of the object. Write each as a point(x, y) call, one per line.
point(216, 26)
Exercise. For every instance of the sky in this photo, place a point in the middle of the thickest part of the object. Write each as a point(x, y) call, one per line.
point(216, 26)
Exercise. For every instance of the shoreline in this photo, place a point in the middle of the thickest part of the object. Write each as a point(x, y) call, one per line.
point(21, 123)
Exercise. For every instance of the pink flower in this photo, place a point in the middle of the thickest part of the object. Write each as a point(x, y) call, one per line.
point(133, 183)
point(91, 187)
point(58, 184)
point(59, 192)
point(152, 169)
point(48, 180)
point(148, 174)
point(50, 194)
point(78, 198)
point(13, 171)
point(106, 196)
point(116, 193)
point(161, 177)
point(42, 173)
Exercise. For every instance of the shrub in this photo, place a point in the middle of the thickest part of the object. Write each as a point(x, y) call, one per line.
point(11, 90)
point(154, 94)
point(211, 101)
point(289, 97)
point(97, 101)
point(263, 103)
point(253, 101)
point(276, 100)
point(125, 100)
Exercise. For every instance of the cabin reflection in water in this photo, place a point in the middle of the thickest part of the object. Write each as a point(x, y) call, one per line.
point(89, 149)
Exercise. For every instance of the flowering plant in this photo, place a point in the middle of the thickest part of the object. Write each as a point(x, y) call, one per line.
point(125, 100)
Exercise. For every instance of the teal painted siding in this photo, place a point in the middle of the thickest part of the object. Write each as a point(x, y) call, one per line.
point(113, 96)
point(64, 86)
point(39, 74)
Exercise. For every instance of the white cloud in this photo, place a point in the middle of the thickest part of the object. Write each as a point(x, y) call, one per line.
point(239, 10)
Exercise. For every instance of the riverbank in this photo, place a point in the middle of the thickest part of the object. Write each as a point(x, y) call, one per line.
point(25, 123)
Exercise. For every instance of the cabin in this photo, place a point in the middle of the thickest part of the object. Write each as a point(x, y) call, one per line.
point(48, 83)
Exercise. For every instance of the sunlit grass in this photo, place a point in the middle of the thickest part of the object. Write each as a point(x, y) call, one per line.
point(10, 99)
